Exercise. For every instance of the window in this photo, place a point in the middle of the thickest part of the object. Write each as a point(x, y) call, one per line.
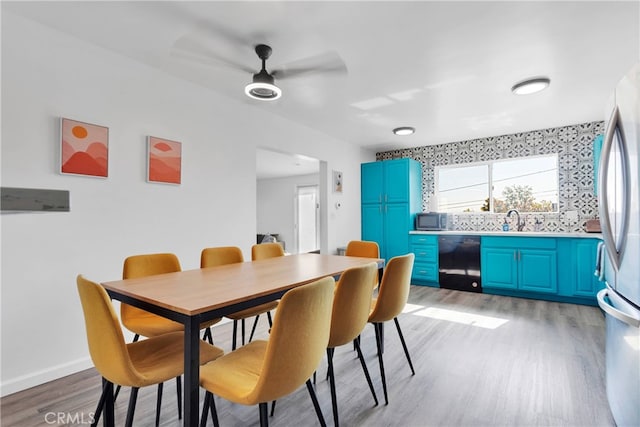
point(528, 184)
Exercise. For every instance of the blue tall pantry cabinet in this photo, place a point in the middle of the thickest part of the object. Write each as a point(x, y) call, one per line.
point(391, 196)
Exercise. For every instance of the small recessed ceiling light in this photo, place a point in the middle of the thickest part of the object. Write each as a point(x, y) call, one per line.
point(530, 86)
point(404, 130)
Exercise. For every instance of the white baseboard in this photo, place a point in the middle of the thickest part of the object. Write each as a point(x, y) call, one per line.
point(36, 378)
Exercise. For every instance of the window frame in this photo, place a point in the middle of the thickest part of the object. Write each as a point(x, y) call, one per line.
point(490, 178)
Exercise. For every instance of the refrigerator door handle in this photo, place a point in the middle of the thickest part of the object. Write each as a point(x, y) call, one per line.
point(603, 200)
point(611, 246)
point(614, 312)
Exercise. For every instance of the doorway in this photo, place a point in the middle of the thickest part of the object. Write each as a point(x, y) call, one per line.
point(307, 223)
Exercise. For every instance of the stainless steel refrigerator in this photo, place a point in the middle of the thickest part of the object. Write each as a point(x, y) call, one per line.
point(619, 204)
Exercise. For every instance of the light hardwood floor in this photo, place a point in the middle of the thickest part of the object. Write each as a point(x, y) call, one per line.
point(480, 360)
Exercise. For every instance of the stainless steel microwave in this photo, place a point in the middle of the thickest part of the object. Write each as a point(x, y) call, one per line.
point(432, 221)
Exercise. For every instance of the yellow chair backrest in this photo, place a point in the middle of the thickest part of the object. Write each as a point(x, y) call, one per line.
point(149, 265)
point(142, 266)
point(394, 288)
point(363, 248)
point(351, 304)
point(106, 341)
point(298, 340)
point(266, 250)
point(223, 255)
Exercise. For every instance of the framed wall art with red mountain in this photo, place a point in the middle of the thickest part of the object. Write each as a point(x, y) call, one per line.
point(84, 148)
point(164, 160)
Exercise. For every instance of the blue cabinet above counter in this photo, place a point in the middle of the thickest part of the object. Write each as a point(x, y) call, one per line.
point(547, 266)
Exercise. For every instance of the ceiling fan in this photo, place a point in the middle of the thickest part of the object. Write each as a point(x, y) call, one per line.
point(262, 87)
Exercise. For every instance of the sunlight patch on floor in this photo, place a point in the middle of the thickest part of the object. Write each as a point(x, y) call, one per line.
point(479, 320)
point(410, 308)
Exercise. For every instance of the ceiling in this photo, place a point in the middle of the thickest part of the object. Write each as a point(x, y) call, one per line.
point(445, 68)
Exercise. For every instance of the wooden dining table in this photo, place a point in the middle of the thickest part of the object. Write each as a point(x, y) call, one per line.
point(194, 296)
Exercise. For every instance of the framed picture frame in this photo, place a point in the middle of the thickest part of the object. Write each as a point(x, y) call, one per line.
point(84, 148)
point(337, 182)
point(164, 161)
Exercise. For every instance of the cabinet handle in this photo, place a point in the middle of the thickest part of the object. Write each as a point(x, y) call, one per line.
point(379, 198)
point(380, 208)
point(515, 256)
point(385, 198)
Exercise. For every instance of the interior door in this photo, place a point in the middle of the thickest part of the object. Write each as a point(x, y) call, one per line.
point(307, 219)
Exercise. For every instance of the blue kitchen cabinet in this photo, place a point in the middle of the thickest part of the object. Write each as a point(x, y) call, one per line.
point(391, 195)
point(498, 267)
point(372, 183)
point(519, 264)
point(425, 266)
point(577, 263)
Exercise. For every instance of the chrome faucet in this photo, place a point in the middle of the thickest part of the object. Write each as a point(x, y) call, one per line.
point(519, 224)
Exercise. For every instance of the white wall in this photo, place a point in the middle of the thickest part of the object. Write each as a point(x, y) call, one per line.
point(47, 75)
point(276, 198)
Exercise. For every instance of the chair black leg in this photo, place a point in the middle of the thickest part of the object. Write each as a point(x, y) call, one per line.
point(329, 360)
point(316, 405)
point(378, 330)
point(109, 417)
point(253, 329)
point(179, 393)
point(269, 319)
point(205, 409)
point(264, 418)
point(243, 331)
point(132, 406)
point(356, 343)
point(404, 346)
point(214, 412)
point(208, 336)
point(98, 411)
point(273, 408)
point(332, 385)
point(209, 405)
point(159, 403)
point(235, 333)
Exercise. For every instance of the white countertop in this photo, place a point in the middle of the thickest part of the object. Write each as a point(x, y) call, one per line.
point(512, 233)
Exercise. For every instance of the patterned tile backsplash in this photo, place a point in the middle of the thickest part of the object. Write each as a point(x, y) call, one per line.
point(574, 146)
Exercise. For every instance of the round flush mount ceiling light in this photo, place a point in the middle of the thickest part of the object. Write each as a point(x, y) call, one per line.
point(262, 87)
point(404, 130)
point(529, 86)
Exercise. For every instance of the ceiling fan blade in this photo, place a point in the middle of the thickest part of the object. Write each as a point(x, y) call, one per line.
point(187, 47)
point(328, 62)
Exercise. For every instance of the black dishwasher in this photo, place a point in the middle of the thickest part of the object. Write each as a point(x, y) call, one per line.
point(459, 262)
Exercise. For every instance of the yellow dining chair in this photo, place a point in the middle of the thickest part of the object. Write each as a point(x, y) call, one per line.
point(349, 316)
point(266, 250)
point(264, 371)
point(363, 248)
point(143, 323)
point(392, 297)
point(211, 257)
point(139, 364)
